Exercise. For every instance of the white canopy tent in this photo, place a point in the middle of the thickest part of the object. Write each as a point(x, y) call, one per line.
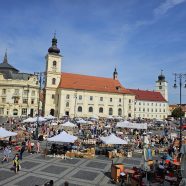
point(68, 124)
point(50, 117)
point(127, 124)
point(40, 119)
point(63, 137)
point(112, 139)
point(82, 121)
point(5, 133)
point(28, 120)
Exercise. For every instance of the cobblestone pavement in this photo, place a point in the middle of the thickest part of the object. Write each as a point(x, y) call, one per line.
point(37, 170)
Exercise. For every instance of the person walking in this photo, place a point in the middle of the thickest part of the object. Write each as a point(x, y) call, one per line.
point(6, 153)
point(22, 151)
point(37, 146)
point(16, 163)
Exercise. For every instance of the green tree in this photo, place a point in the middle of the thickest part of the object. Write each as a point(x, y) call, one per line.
point(177, 112)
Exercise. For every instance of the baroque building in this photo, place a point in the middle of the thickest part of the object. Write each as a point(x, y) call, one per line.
point(79, 95)
point(18, 91)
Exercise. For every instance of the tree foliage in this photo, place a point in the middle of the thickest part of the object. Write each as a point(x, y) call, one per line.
point(178, 112)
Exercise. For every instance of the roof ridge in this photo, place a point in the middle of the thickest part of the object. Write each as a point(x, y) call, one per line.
point(88, 76)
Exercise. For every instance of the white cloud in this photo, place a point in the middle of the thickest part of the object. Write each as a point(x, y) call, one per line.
point(167, 5)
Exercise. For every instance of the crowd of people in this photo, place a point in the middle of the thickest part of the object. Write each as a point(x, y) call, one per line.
point(93, 130)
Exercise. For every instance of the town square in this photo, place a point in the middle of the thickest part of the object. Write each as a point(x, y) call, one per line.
point(93, 93)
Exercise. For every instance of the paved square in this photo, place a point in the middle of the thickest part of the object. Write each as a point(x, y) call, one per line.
point(6, 174)
point(85, 175)
point(32, 181)
point(28, 164)
point(98, 165)
point(54, 169)
point(70, 161)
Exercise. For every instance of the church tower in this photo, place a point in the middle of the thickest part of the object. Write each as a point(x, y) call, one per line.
point(115, 74)
point(52, 78)
point(162, 85)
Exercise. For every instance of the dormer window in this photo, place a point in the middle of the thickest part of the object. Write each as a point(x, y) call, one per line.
point(118, 88)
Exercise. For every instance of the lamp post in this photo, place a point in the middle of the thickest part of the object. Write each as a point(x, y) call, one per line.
point(40, 77)
point(180, 77)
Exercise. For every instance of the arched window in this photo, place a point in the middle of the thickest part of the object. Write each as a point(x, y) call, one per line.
point(79, 109)
point(110, 111)
point(15, 112)
point(119, 112)
point(90, 109)
point(67, 104)
point(54, 63)
point(100, 110)
point(53, 81)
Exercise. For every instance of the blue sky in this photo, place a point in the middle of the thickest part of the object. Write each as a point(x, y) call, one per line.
point(139, 37)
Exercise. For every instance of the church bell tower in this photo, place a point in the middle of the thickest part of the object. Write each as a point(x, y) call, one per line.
point(52, 78)
point(162, 85)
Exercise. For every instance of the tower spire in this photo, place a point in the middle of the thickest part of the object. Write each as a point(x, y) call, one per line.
point(115, 74)
point(53, 49)
point(5, 60)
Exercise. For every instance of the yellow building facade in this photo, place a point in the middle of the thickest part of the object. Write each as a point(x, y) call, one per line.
point(18, 92)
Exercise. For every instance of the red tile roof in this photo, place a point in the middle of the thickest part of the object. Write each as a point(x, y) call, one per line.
point(146, 95)
point(91, 83)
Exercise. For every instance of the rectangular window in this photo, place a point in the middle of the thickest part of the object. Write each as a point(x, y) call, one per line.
point(25, 101)
point(53, 96)
point(129, 107)
point(32, 101)
point(25, 92)
point(4, 91)
point(129, 100)
point(143, 110)
point(91, 98)
point(120, 100)
point(33, 93)
point(24, 111)
point(80, 97)
point(16, 91)
point(3, 100)
point(139, 103)
point(110, 99)
point(1, 111)
point(101, 98)
point(152, 104)
point(67, 96)
point(16, 100)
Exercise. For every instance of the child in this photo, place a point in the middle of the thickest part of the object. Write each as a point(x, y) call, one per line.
point(16, 163)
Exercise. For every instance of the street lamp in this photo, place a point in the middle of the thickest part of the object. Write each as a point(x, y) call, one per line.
point(40, 77)
point(180, 77)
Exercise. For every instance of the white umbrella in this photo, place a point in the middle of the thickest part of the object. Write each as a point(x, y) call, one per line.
point(29, 120)
point(68, 124)
point(63, 137)
point(50, 117)
point(5, 133)
point(112, 139)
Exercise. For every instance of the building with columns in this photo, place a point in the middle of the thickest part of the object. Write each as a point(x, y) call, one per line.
point(79, 95)
point(18, 91)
